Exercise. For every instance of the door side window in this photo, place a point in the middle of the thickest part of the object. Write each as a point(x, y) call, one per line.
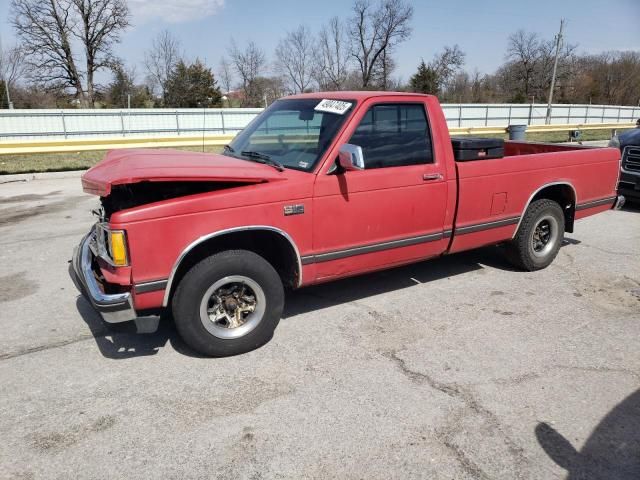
point(394, 135)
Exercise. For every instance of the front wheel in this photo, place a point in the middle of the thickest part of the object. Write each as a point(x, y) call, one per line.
point(229, 303)
point(539, 236)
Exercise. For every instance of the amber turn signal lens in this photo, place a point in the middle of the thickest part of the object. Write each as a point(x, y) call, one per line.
point(118, 248)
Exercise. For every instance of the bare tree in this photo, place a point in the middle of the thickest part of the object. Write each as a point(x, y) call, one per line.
point(447, 63)
point(374, 30)
point(248, 64)
point(12, 65)
point(523, 51)
point(332, 56)
point(101, 24)
point(530, 63)
point(161, 59)
point(608, 78)
point(566, 61)
point(47, 27)
point(270, 88)
point(294, 58)
point(225, 75)
point(384, 68)
point(478, 87)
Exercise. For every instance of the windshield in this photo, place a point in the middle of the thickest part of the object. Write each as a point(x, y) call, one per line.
point(291, 132)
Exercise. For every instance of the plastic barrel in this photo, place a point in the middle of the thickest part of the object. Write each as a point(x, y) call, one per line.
point(517, 132)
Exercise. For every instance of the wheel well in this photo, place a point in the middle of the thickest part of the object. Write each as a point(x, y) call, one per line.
point(270, 245)
point(564, 195)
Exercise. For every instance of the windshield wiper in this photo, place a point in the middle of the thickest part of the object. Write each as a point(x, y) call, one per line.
point(263, 158)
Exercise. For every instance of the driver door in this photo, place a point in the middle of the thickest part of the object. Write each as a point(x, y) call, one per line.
point(392, 211)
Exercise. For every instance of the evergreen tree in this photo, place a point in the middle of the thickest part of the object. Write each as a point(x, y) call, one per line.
point(123, 90)
point(192, 85)
point(425, 80)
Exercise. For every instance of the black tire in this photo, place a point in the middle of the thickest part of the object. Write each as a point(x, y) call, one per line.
point(521, 251)
point(190, 293)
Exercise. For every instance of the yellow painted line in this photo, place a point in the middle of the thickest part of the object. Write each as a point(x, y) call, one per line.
point(588, 126)
point(477, 130)
point(111, 143)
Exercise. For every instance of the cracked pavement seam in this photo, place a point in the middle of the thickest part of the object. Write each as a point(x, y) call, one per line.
point(49, 346)
point(471, 404)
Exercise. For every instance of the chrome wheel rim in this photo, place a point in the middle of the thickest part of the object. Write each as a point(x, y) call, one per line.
point(232, 307)
point(544, 236)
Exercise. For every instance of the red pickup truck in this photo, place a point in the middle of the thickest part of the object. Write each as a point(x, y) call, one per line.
point(319, 187)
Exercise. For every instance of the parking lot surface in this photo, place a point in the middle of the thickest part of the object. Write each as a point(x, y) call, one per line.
point(459, 368)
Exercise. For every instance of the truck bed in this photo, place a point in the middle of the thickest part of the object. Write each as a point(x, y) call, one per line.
point(495, 191)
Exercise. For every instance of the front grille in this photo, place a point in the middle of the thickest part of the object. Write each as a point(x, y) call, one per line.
point(631, 160)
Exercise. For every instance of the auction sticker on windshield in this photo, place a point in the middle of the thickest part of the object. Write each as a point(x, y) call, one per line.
point(333, 106)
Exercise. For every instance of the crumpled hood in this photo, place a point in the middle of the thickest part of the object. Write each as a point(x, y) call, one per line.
point(127, 166)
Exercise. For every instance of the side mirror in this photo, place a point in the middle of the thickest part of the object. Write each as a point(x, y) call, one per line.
point(350, 157)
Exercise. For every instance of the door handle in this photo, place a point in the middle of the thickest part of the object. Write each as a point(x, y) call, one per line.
point(429, 177)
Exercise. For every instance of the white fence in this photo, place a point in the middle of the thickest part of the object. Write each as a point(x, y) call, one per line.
point(498, 115)
point(30, 125)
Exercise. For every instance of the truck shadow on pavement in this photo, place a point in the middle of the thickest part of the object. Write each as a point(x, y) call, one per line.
point(144, 337)
point(611, 452)
point(150, 334)
point(363, 286)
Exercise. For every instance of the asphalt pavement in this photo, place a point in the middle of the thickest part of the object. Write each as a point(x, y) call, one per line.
point(457, 368)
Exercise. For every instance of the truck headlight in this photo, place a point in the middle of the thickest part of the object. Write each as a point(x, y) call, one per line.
point(118, 248)
point(614, 142)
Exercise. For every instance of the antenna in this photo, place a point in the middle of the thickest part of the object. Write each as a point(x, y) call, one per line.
point(204, 118)
point(204, 122)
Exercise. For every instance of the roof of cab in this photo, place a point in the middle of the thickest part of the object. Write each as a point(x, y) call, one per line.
point(356, 95)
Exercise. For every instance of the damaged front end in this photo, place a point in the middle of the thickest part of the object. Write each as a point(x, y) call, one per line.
point(102, 267)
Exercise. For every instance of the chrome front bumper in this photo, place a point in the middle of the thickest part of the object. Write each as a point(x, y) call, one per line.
point(114, 308)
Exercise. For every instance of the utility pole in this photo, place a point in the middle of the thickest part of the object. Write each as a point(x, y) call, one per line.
point(4, 80)
point(555, 68)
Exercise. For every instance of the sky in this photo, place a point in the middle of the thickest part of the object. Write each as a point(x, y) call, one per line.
point(479, 27)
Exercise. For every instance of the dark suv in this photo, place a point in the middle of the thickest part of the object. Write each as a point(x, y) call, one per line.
point(629, 144)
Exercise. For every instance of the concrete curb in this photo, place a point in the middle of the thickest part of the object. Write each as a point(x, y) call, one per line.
point(27, 177)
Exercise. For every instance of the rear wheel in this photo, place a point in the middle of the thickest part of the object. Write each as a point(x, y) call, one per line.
point(229, 303)
point(539, 236)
